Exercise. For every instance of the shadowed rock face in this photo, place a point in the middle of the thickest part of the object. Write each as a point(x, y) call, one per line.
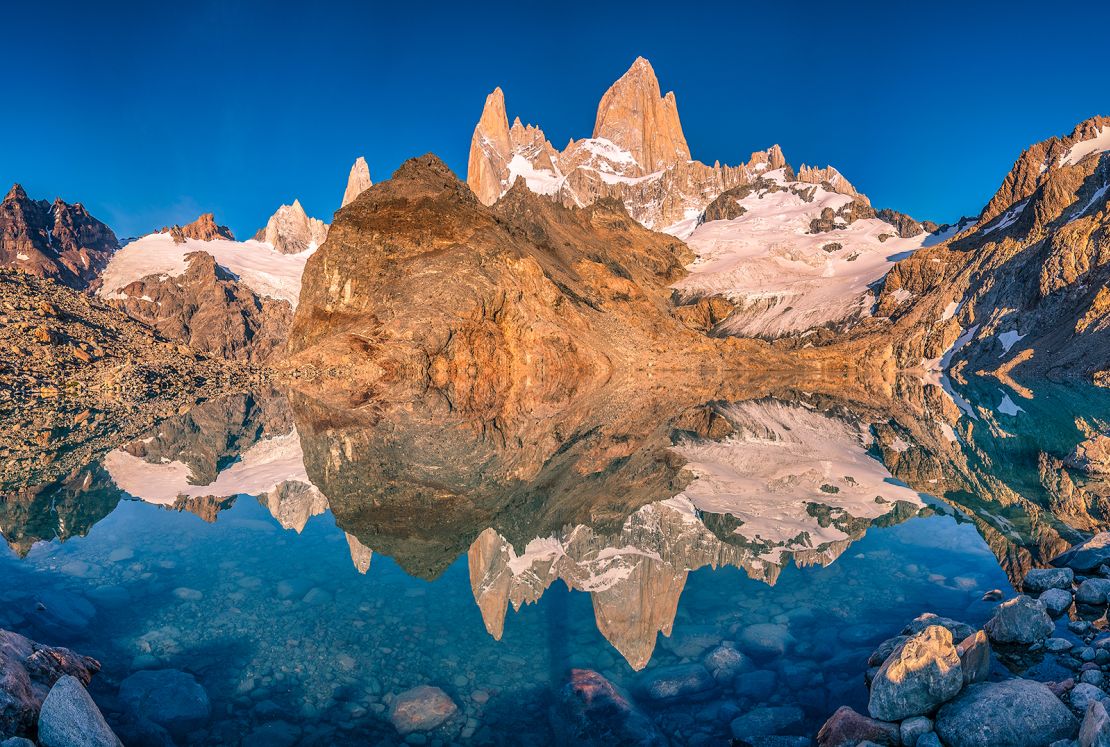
point(58, 241)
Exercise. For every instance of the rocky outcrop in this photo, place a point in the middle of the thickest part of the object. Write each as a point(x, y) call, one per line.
point(1021, 289)
point(291, 231)
point(61, 353)
point(204, 228)
point(208, 309)
point(419, 281)
point(357, 182)
point(58, 241)
point(921, 674)
point(28, 671)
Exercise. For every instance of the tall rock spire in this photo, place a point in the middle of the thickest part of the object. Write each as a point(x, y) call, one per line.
point(490, 150)
point(358, 182)
point(634, 115)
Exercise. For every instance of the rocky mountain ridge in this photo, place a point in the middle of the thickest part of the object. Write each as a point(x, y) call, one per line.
point(53, 240)
point(1022, 290)
point(637, 154)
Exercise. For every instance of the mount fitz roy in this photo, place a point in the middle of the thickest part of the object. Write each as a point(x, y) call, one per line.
point(794, 265)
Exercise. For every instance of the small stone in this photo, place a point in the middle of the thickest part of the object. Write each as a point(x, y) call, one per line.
point(1082, 695)
point(975, 657)
point(187, 594)
point(913, 729)
point(992, 596)
point(1056, 601)
point(1095, 729)
point(846, 728)
point(70, 718)
point(929, 740)
point(1092, 677)
point(1020, 620)
point(1057, 645)
point(1093, 591)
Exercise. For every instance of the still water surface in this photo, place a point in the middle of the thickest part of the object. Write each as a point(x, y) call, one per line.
point(222, 546)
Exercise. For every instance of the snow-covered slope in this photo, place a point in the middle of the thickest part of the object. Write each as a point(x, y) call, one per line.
point(795, 477)
point(258, 265)
point(258, 471)
point(784, 277)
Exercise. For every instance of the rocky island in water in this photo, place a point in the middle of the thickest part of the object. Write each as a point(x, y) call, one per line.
point(601, 445)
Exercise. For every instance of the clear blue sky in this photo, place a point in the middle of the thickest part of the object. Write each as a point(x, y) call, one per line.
point(150, 113)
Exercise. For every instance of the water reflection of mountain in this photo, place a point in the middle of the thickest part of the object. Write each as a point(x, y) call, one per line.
point(1001, 456)
point(619, 497)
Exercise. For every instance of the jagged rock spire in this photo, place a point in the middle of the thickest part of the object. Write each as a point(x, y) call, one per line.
point(634, 115)
point(358, 181)
point(490, 149)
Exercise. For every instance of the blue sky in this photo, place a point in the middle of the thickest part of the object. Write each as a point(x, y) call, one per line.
point(150, 113)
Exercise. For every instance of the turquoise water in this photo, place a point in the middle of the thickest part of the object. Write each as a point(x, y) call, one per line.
point(305, 637)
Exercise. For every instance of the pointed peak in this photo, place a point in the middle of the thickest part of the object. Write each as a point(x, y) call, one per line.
point(16, 193)
point(635, 116)
point(516, 122)
point(358, 181)
point(297, 205)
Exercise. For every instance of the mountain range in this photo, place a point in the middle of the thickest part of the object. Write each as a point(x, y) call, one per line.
point(549, 275)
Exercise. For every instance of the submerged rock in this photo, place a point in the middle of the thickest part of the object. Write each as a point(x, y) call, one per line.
point(590, 710)
point(70, 718)
point(421, 709)
point(1021, 713)
point(765, 640)
point(846, 728)
point(676, 682)
point(170, 698)
point(766, 720)
point(726, 661)
point(922, 673)
point(1020, 620)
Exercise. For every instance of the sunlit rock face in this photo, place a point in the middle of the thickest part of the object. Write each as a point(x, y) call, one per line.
point(420, 285)
point(637, 154)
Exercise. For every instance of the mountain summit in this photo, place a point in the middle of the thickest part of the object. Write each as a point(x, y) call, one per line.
point(636, 118)
point(358, 182)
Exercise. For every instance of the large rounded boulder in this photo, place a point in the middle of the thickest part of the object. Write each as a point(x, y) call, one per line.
point(921, 674)
point(1017, 713)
